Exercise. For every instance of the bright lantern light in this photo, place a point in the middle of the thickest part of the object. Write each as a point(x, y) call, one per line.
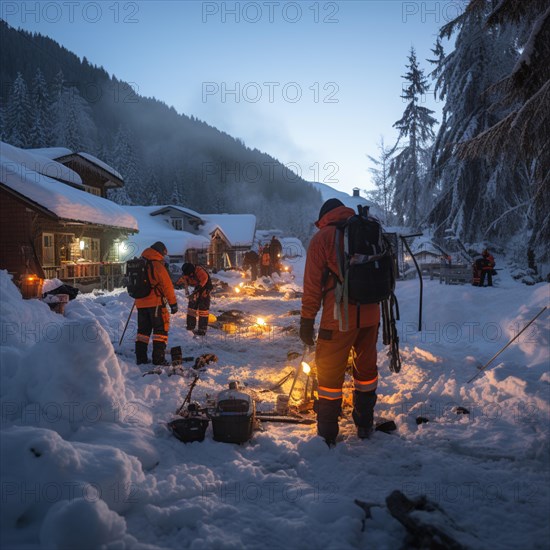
point(81, 245)
point(306, 368)
point(260, 321)
point(237, 289)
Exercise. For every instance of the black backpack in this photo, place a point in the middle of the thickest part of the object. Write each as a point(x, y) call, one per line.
point(139, 282)
point(366, 261)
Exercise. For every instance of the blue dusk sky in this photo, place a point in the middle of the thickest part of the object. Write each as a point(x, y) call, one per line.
point(315, 84)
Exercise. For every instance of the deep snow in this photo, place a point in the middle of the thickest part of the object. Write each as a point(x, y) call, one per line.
point(87, 459)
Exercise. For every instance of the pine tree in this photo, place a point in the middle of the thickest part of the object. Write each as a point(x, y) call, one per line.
point(41, 124)
point(175, 198)
point(18, 114)
point(522, 136)
point(472, 192)
point(151, 193)
point(74, 127)
point(124, 159)
point(406, 167)
point(382, 196)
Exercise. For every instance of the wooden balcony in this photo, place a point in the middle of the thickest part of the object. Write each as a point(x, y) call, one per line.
point(108, 275)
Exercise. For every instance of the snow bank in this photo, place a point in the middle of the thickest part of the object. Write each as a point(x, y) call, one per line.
point(60, 380)
point(40, 469)
point(56, 373)
point(67, 520)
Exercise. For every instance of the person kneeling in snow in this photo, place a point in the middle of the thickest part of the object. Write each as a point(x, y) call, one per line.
point(199, 299)
point(333, 346)
point(152, 313)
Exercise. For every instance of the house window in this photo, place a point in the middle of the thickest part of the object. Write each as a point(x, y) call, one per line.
point(92, 190)
point(177, 223)
point(48, 249)
point(89, 249)
point(64, 243)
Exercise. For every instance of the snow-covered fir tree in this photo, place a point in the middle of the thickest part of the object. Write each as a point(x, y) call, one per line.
point(125, 160)
point(73, 124)
point(175, 198)
point(41, 123)
point(382, 196)
point(18, 114)
point(472, 192)
point(151, 193)
point(415, 135)
point(521, 138)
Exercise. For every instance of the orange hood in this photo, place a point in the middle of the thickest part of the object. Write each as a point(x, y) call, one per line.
point(338, 214)
point(152, 254)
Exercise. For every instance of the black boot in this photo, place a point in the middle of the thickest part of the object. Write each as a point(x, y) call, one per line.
point(328, 412)
point(203, 325)
point(159, 348)
point(363, 412)
point(141, 353)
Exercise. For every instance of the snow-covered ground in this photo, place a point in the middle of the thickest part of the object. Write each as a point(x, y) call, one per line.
point(87, 459)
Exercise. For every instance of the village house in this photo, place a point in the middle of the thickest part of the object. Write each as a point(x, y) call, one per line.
point(55, 221)
point(217, 241)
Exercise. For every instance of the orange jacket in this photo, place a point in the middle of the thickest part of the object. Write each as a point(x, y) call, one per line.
point(320, 255)
point(489, 262)
point(160, 281)
point(197, 279)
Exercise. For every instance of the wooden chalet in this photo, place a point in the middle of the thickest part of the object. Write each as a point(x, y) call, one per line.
point(55, 221)
point(231, 236)
point(217, 241)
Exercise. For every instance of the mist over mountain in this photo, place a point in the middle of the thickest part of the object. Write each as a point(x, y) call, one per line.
point(51, 97)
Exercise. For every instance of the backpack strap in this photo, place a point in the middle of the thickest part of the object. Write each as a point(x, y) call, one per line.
point(155, 287)
point(342, 283)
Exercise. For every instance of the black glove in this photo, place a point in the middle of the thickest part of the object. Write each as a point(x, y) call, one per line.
point(306, 331)
point(173, 308)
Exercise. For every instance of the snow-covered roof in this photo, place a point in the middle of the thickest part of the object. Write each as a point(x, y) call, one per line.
point(157, 228)
point(60, 152)
point(52, 152)
point(182, 209)
point(32, 160)
point(101, 164)
point(62, 200)
point(424, 244)
point(239, 229)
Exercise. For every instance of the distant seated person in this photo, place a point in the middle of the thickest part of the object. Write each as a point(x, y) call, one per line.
point(487, 268)
point(199, 300)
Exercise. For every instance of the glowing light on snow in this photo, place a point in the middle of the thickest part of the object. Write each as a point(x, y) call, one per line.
point(306, 368)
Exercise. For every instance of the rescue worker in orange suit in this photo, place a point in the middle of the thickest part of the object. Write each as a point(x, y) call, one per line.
point(199, 299)
point(152, 313)
point(487, 268)
point(265, 259)
point(333, 346)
